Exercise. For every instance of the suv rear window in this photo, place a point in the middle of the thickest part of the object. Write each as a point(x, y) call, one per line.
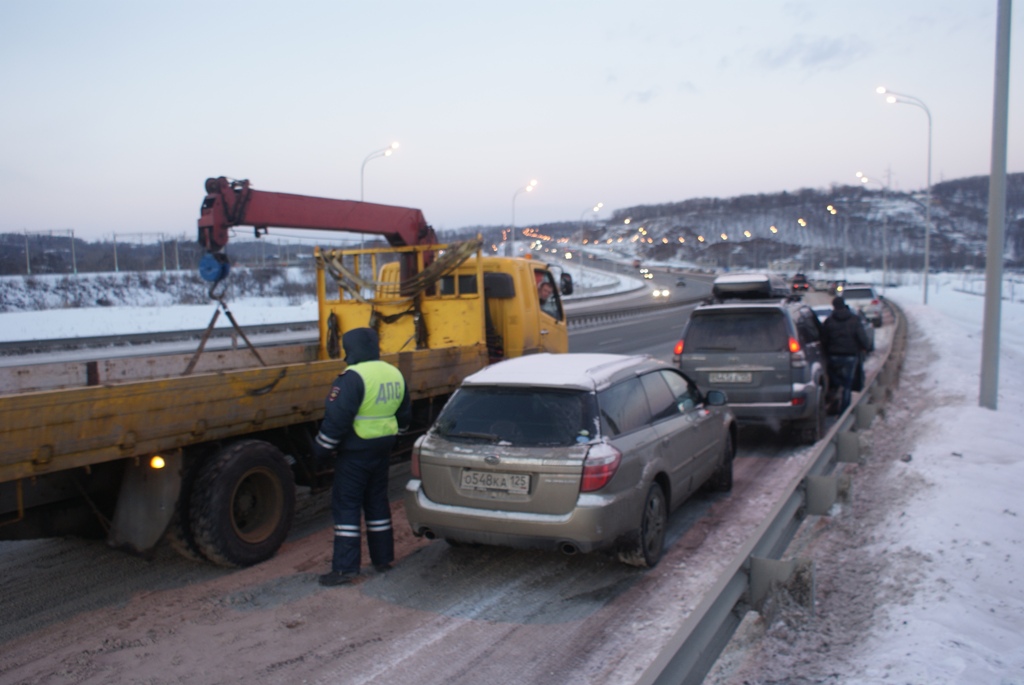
point(527, 417)
point(737, 331)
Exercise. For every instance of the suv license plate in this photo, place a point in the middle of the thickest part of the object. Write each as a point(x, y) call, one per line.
point(731, 377)
point(513, 483)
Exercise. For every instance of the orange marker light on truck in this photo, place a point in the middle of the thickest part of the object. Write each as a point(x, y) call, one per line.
point(157, 462)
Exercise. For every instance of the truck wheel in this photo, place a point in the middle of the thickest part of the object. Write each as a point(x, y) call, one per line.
point(721, 479)
point(242, 504)
point(650, 536)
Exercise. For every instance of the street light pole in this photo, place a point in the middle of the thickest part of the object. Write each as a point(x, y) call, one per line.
point(383, 152)
point(596, 208)
point(525, 189)
point(903, 99)
point(833, 211)
point(885, 228)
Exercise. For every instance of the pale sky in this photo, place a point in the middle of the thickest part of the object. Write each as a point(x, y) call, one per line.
point(113, 114)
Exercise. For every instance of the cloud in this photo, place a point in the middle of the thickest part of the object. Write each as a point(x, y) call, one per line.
point(814, 53)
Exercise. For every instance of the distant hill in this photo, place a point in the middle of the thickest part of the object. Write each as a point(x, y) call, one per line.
point(711, 231)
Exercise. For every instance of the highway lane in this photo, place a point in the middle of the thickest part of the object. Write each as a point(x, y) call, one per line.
point(444, 615)
point(653, 333)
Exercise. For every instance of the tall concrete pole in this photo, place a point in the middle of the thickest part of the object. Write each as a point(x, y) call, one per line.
point(989, 391)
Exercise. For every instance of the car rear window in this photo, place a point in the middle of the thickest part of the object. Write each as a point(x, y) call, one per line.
point(527, 417)
point(737, 331)
point(858, 294)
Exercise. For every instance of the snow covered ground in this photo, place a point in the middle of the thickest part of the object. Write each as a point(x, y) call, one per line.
point(965, 622)
point(959, 617)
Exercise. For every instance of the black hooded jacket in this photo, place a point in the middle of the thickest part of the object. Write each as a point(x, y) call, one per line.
point(345, 396)
point(843, 334)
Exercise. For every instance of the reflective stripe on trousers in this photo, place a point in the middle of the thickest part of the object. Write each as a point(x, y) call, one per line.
point(361, 489)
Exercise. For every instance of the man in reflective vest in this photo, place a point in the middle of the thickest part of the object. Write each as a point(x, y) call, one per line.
point(367, 406)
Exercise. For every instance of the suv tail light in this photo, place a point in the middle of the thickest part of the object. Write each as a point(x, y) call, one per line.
point(678, 349)
point(600, 465)
point(797, 358)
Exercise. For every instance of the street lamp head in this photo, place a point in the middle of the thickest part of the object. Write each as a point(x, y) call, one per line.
point(394, 145)
point(880, 90)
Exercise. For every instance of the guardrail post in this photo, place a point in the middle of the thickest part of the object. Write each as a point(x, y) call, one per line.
point(796, 576)
point(821, 493)
point(848, 448)
point(865, 414)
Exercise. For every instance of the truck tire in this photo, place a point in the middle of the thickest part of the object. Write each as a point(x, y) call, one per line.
point(179, 532)
point(242, 504)
point(646, 548)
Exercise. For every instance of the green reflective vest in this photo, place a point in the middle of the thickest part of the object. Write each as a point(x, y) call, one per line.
point(384, 388)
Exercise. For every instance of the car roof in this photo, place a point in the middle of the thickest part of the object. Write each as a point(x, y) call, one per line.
point(582, 371)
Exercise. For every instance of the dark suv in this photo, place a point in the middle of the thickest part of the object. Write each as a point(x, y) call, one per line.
point(760, 344)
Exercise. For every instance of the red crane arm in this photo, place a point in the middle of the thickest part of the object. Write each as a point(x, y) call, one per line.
point(234, 203)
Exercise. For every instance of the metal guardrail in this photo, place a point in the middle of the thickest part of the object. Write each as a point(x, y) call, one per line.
point(56, 344)
point(749, 575)
point(586, 320)
point(574, 321)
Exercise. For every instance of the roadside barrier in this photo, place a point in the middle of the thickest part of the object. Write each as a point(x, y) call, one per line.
point(759, 566)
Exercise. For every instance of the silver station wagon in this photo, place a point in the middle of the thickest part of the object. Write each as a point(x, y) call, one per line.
point(569, 452)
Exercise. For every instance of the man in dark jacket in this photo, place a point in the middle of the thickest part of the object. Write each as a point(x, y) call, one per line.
point(367, 406)
point(845, 342)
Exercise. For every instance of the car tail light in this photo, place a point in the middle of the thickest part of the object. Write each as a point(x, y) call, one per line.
point(678, 349)
point(414, 461)
point(600, 465)
point(794, 345)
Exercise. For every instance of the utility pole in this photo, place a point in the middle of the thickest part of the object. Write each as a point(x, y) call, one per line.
point(989, 391)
